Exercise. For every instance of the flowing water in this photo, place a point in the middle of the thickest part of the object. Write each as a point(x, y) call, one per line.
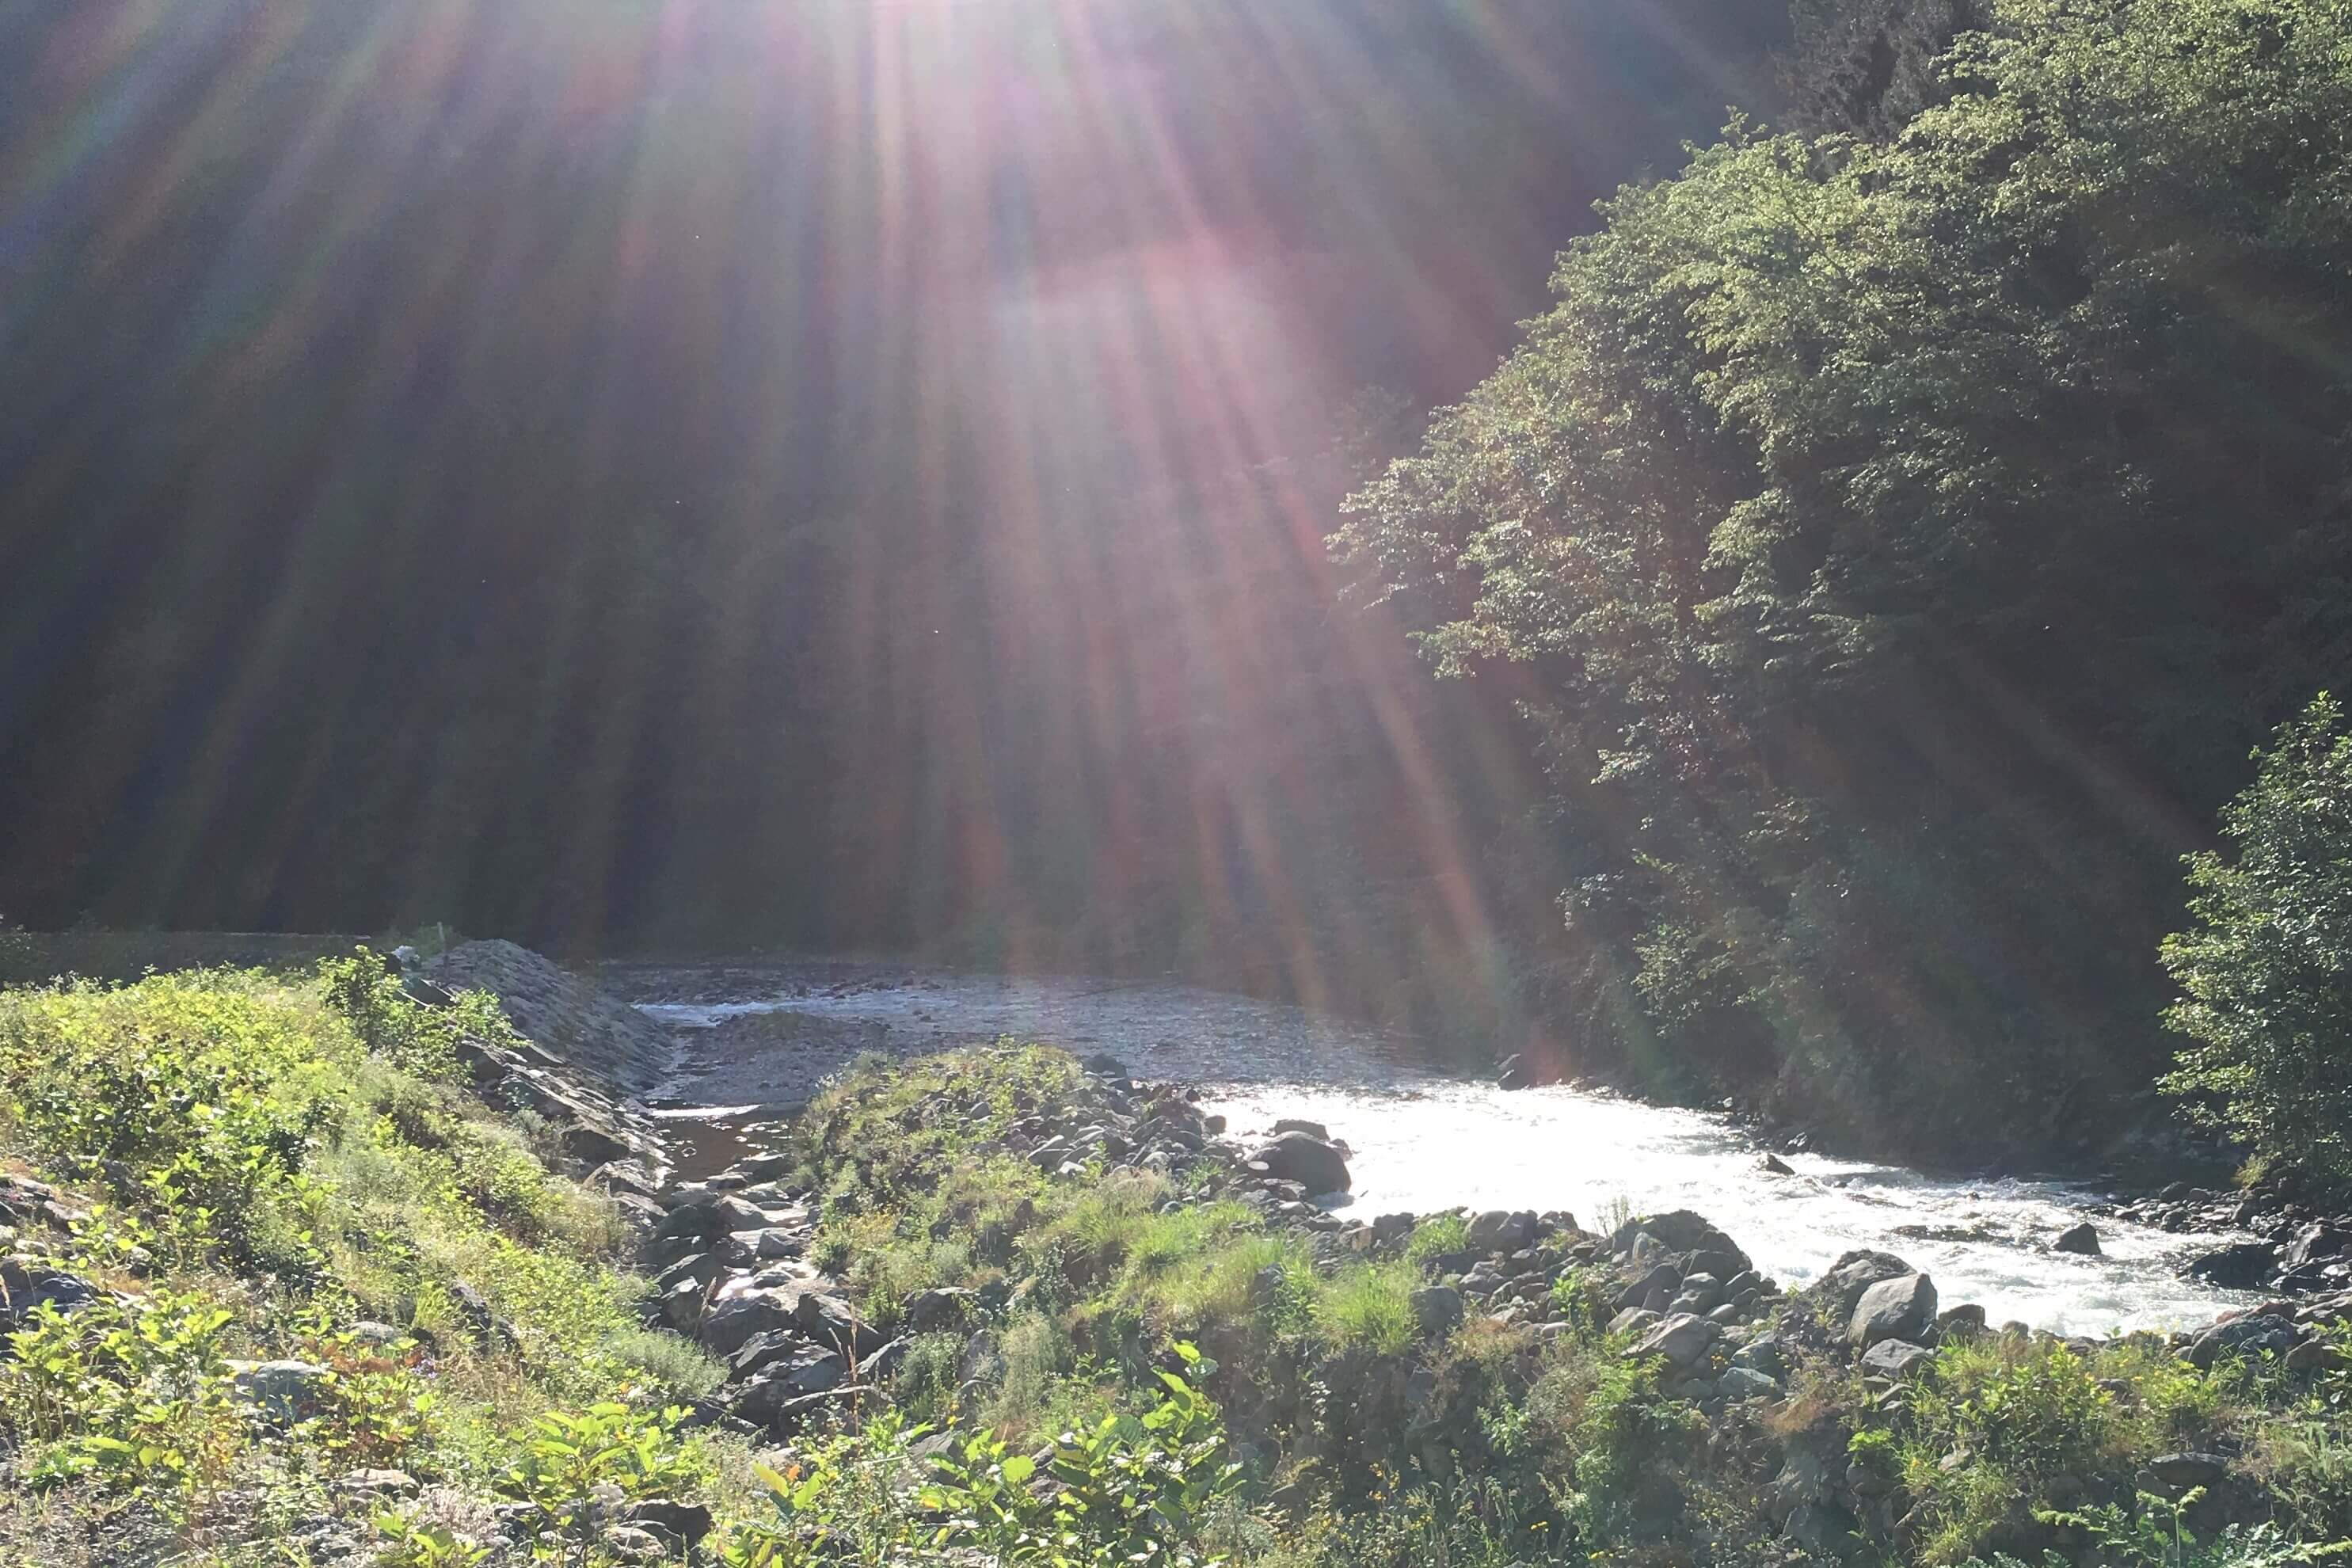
point(1422, 1140)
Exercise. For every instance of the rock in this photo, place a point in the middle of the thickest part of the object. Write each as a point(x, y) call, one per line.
point(1893, 1358)
point(1963, 1321)
point(1682, 1231)
point(1851, 1275)
point(2315, 1241)
point(1900, 1309)
point(1662, 1277)
point(1762, 1354)
point(1775, 1165)
point(679, 1306)
point(380, 1483)
point(1684, 1340)
point(1438, 1310)
point(830, 1321)
point(1316, 1165)
point(936, 1308)
point(2256, 1334)
point(1743, 1382)
point(570, 1018)
point(634, 1543)
point(284, 1392)
point(1633, 1320)
point(1315, 1130)
point(740, 1312)
point(2081, 1240)
point(28, 1284)
point(2181, 1471)
point(1498, 1231)
point(2241, 1266)
point(884, 1363)
point(2310, 1356)
point(683, 1523)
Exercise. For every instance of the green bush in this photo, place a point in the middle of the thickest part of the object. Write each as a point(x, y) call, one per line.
point(2263, 967)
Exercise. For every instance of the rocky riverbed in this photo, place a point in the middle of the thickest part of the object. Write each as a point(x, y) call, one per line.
point(758, 1037)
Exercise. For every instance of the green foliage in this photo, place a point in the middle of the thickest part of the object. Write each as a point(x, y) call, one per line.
point(137, 1396)
point(1865, 509)
point(419, 1040)
point(1130, 1488)
point(571, 1457)
point(2263, 965)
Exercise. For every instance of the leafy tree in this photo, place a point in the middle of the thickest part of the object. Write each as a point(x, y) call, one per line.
point(2267, 964)
point(1900, 543)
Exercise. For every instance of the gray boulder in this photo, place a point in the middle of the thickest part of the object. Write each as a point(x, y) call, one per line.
point(2081, 1240)
point(1853, 1274)
point(2181, 1471)
point(1684, 1340)
point(736, 1316)
point(1317, 1166)
point(936, 1308)
point(2241, 1266)
point(1680, 1230)
point(1898, 1309)
point(1747, 1383)
point(1893, 1358)
point(1438, 1310)
point(283, 1392)
point(2256, 1334)
point(27, 1284)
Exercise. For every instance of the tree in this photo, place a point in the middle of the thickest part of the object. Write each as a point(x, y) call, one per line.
point(2267, 966)
point(1906, 538)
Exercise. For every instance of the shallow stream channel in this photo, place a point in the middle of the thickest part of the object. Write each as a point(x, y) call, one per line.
point(756, 1039)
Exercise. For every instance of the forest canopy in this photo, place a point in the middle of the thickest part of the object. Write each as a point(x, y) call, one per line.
point(1899, 535)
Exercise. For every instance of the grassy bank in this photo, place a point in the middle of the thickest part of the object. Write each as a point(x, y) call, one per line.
point(285, 1289)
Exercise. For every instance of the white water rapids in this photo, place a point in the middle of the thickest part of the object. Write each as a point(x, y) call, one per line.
point(1422, 1141)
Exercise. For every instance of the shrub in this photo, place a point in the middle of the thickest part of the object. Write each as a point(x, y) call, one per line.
point(2262, 966)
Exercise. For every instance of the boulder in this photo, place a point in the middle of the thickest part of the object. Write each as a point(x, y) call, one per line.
point(1314, 1130)
point(1438, 1310)
point(1772, 1164)
point(737, 1315)
point(1851, 1275)
point(1762, 1354)
point(1900, 1309)
point(1684, 1340)
point(1893, 1358)
point(283, 1392)
point(2256, 1334)
point(1497, 1230)
point(1316, 1165)
point(938, 1309)
point(2315, 1241)
point(2240, 1266)
point(1633, 1320)
point(2180, 1471)
point(1663, 1277)
point(2081, 1240)
point(684, 1523)
point(885, 1362)
point(1742, 1382)
point(28, 1284)
point(1680, 1230)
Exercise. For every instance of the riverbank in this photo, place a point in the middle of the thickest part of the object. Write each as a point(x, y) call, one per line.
point(976, 1298)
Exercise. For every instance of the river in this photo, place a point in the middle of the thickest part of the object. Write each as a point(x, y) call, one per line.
point(1422, 1140)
